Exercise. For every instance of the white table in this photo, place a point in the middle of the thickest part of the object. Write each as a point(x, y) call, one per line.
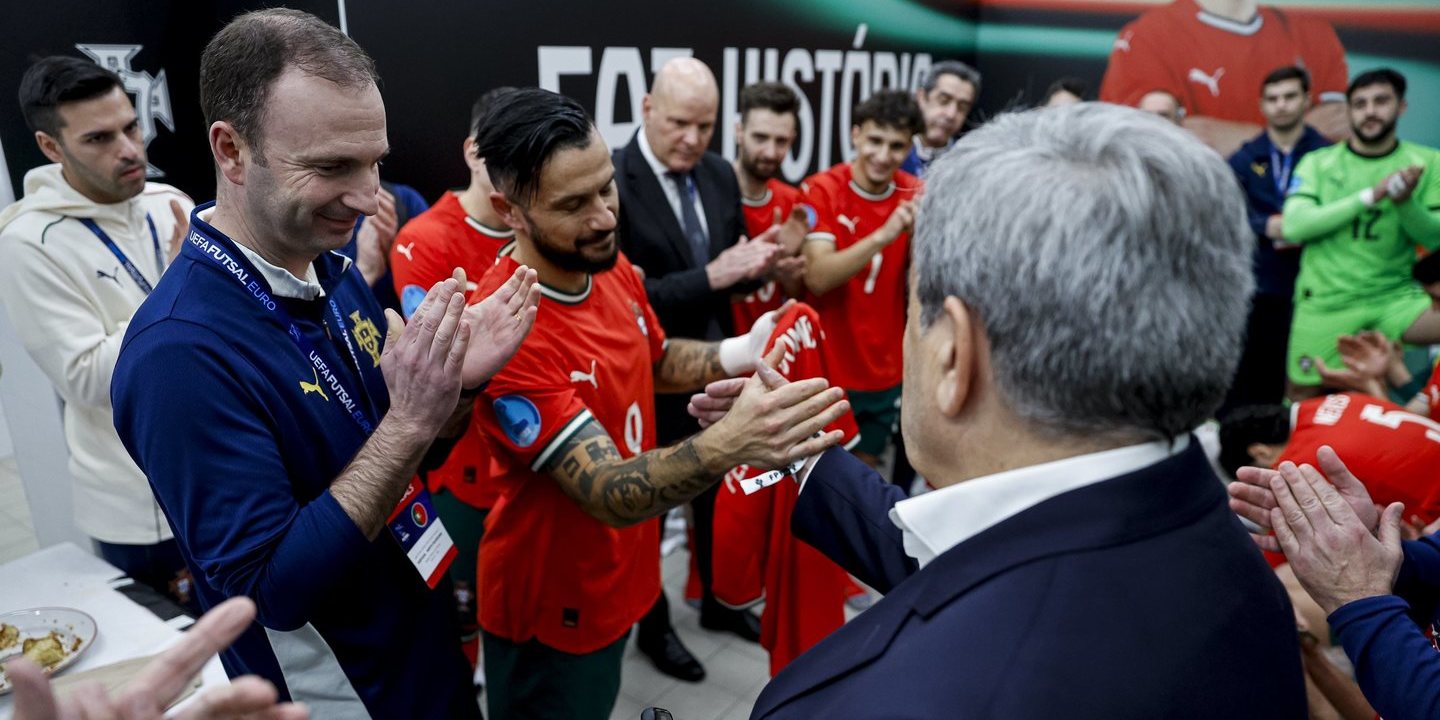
point(66, 576)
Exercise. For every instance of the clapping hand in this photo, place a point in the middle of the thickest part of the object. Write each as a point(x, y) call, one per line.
point(498, 324)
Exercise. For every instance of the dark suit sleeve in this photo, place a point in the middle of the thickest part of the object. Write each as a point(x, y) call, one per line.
point(844, 512)
point(678, 289)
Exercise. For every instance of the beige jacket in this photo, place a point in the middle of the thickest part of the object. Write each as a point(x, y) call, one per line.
point(70, 301)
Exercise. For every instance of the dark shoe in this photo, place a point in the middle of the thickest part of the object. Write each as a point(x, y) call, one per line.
point(719, 618)
point(671, 657)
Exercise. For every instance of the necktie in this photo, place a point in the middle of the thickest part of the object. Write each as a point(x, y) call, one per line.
point(690, 220)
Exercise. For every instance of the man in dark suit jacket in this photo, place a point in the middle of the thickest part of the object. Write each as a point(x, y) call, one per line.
point(680, 221)
point(1077, 558)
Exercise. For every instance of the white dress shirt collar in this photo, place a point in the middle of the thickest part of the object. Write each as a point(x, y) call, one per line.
point(941, 519)
point(674, 193)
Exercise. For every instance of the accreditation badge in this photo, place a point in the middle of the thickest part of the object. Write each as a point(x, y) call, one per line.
point(421, 535)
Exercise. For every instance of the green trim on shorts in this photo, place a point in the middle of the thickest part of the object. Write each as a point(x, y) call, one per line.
point(877, 414)
point(1313, 331)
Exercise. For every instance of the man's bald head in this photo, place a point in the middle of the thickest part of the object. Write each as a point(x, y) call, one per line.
point(679, 113)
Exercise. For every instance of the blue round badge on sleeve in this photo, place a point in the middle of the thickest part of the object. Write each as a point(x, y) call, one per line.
point(410, 299)
point(519, 418)
point(812, 218)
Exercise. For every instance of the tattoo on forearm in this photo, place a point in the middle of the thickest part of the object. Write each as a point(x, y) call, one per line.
point(688, 365)
point(625, 491)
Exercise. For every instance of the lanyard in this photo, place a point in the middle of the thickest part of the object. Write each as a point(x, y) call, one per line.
point(238, 267)
point(135, 275)
point(1281, 173)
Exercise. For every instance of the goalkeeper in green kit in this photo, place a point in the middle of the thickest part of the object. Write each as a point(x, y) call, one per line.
point(1360, 210)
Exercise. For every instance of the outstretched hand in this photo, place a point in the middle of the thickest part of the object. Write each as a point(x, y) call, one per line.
point(1252, 496)
point(161, 682)
point(499, 324)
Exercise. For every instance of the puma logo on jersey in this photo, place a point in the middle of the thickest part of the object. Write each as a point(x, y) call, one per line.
point(111, 275)
point(847, 222)
point(1209, 80)
point(314, 387)
point(406, 250)
point(578, 376)
point(1259, 168)
point(1122, 43)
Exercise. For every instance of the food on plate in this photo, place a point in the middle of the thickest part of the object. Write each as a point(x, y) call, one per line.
point(9, 635)
point(47, 651)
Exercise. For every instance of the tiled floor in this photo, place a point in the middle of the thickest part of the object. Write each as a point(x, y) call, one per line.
point(736, 670)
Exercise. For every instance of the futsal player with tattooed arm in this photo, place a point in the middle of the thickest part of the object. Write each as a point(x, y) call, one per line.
point(568, 564)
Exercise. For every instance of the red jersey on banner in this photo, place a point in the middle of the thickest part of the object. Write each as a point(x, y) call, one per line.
point(759, 216)
point(1394, 452)
point(754, 555)
point(548, 570)
point(865, 317)
point(426, 251)
point(1432, 393)
point(1215, 66)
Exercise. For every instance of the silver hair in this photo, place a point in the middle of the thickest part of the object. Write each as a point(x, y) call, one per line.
point(951, 67)
point(1107, 256)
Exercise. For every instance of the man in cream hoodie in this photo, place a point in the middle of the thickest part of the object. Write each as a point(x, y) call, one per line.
point(78, 254)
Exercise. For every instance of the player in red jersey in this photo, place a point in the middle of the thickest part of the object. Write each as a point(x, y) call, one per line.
point(756, 556)
point(857, 259)
point(460, 231)
point(767, 126)
point(1213, 55)
point(568, 563)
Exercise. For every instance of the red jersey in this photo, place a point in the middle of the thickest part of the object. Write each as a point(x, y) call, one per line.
point(754, 555)
point(1394, 452)
point(1432, 393)
point(759, 216)
point(429, 248)
point(548, 570)
point(865, 317)
point(1215, 66)
point(426, 251)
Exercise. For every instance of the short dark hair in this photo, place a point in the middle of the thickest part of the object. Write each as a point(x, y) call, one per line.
point(892, 109)
point(242, 62)
point(773, 96)
point(1073, 85)
point(56, 80)
point(1427, 270)
point(483, 104)
point(1378, 76)
point(1288, 72)
point(517, 137)
point(1249, 424)
point(951, 67)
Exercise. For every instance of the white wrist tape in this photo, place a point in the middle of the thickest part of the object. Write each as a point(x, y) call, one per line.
point(1367, 196)
point(735, 356)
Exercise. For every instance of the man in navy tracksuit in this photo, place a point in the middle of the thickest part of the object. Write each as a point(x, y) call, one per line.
point(1264, 167)
point(278, 431)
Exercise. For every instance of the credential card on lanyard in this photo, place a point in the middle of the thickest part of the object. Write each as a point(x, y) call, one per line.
point(421, 535)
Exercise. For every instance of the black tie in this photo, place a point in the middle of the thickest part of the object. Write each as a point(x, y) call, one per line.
point(694, 232)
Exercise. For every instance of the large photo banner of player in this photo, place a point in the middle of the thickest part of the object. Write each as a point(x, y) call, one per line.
point(437, 56)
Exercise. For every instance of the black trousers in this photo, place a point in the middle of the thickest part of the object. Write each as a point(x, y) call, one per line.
point(1260, 377)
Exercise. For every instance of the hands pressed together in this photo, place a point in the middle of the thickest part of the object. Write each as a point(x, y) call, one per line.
point(448, 346)
point(1341, 547)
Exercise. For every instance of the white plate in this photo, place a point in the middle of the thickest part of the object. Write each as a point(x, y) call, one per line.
point(75, 628)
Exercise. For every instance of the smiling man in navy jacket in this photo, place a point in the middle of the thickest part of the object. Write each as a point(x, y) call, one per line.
point(278, 430)
point(1077, 558)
